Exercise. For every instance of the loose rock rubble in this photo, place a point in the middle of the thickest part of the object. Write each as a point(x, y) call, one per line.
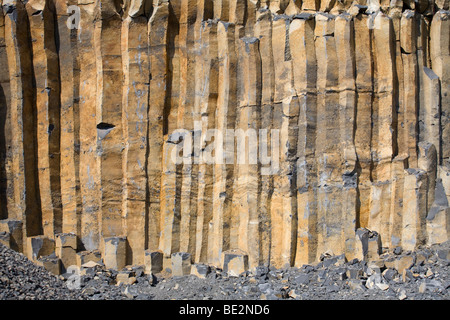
point(396, 275)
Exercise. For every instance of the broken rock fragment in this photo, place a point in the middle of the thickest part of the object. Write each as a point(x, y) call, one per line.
point(235, 262)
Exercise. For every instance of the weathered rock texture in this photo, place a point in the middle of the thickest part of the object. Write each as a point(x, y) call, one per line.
point(352, 99)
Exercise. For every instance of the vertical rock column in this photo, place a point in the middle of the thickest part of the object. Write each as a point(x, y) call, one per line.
point(89, 183)
point(205, 107)
point(247, 179)
point(6, 186)
point(5, 124)
point(285, 119)
point(414, 209)
point(398, 166)
point(423, 60)
point(235, 14)
point(431, 129)
point(301, 41)
point(24, 175)
point(224, 166)
point(46, 73)
point(157, 39)
point(440, 63)
point(270, 167)
point(328, 138)
point(408, 40)
point(135, 58)
point(344, 35)
point(69, 115)
point(188, 25)
point(364, 98)
point(399, 132)
point(383, 142)
point(171, 171)
point(109, 118)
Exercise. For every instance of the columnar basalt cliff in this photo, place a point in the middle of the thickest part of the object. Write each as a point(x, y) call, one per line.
point(303, 127)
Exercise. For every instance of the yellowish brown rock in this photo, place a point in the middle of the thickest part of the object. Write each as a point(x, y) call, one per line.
point(153, 261)
point(114, 255)
point(39, 246)
point(5, 239)
point(181, 264)
point(50, 263)
point(83, 257)
point(15, 230)
point(414, 209)
point(296, 123)
point(235, 262)
point(66, 249)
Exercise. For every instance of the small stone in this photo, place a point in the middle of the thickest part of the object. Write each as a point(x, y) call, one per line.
point(354, 284)
point(404, 262)
point(51, 263)
point(66, 240)
point(373, 280)
point(181, 264)
point(328, 262)
point(377, 264)
point(114, 255)
point(382, 286)
point(153, 261)
point(138, 271)
point(301, 279)
point(90, 264)
point(398, 250)
point(293, 294)
point(389, 274)
point(263, 287)
point(127, 293)
point(322, 275)
point(261, 272)
point(83, 257)
point(39, 246)
point(407, 275)
point(125, 277)
point(235, 262)
point(90, 291)
point(342, 273)
point(420, 259)
point(402, 294)
point(200, 270)
point(423, 287)
point(444, 254)
point(332, 288)
point(434, 285)
point(354, 273)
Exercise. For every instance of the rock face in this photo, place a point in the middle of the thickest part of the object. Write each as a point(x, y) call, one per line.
point(274, 128)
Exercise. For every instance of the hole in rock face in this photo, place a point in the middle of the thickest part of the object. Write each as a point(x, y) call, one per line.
point(105, 126)
point(103, 129)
